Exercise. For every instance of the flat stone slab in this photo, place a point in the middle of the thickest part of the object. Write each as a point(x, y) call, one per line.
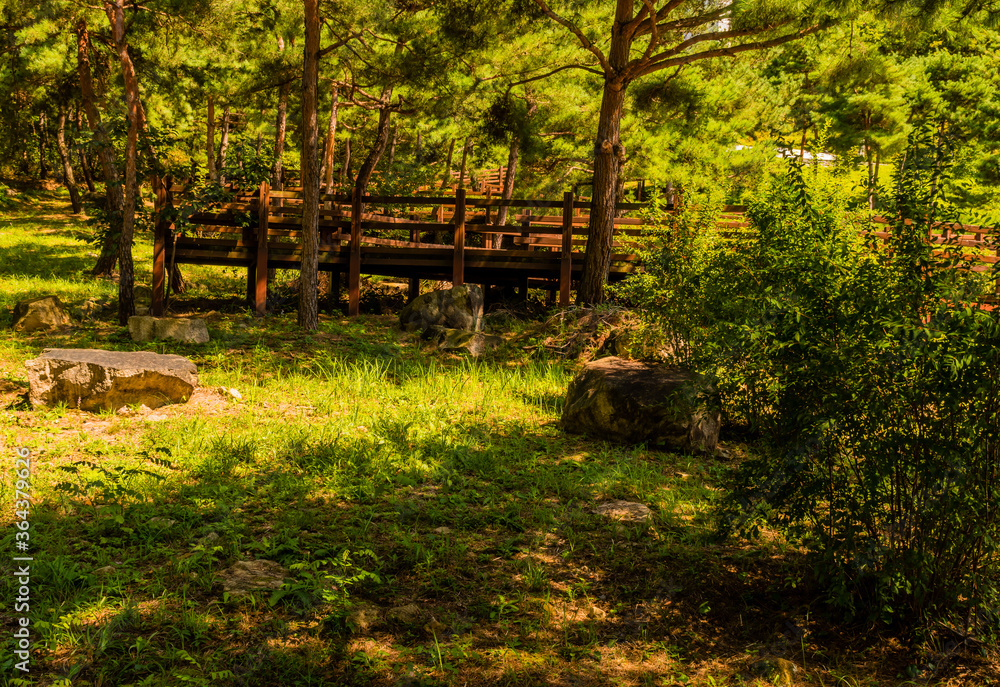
point(95, 380)
point(183, 329)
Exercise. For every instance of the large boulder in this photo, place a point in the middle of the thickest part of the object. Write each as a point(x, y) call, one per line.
point(108, 380)
point(460, 307)
point(38, 314)
point(186, 330)
point(631, 401)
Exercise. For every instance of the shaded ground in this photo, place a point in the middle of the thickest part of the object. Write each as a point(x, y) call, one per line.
point(436, 525)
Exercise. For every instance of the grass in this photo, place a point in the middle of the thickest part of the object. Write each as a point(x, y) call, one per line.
point(435, 523)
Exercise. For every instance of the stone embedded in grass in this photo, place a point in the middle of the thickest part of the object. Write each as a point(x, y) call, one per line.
point(409, 613)
point(96, 380)
point(460, 307)
point(40, 314)
point(473, 343)
point(248, 576)
point(634, 402)
point(144, 328)
point(624, 511)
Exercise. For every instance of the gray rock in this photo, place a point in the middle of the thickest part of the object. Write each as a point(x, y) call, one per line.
point(473, 343)
point(161, 521)
point(39, 314)
point(247, 576)
point(108, 380)
point(633, 402)
point(460, 307)
point(185, 330)
point(624, 511)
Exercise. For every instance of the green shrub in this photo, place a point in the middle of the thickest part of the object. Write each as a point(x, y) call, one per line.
point(870, 373)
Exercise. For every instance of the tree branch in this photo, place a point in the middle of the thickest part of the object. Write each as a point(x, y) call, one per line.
point(554, 71)
point(644, 26)
point(584, 41)
point(730, 51)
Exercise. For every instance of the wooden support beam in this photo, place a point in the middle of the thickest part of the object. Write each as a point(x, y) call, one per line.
point(566, 253)
point(414, 290)
point(354, 275)
point(260, 266)
point(458, 268)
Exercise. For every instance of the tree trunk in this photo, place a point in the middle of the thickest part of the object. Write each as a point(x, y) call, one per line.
point(84, 164)
point(381, 141)
point(64, 155)
point(126, 298)
point(496, 240)
point(43, 146)
point(223, 145)
point(609, 154)
point(115, 206)
point(309, 267)
point(213, 173)
point(345, 169)
point(330, 148)
point(279, 136)
point(446, 176)
point(465, 157)
point(392, 145)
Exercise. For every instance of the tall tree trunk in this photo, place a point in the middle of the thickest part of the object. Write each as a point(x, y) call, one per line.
point(213, 172)
point(465, 157)
point(279, 136)
point(508, 188)
point(446, 176)
point(67, 164)
point(330, 147)
point(84, 164)
point(126, 298)
point(392, 144)
point(43, 146)
point(381, 141)
point(223, 145)
point(309, 267)
point(609, 154)
point(345, 168)
point(115, 206)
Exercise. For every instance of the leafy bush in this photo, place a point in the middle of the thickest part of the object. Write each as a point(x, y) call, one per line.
point(870, 371)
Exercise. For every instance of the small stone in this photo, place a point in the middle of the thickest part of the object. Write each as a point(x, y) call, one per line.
point(161, 521)
point(472, 343)
point(409, 613)
point(778, 671)
point(209, 539)
point(144, 328)
point(141, 310)
point(442, 530)
point(247, 576)
point(231, 393)
point(624, 511)
point(106, 570)
point(363, 616)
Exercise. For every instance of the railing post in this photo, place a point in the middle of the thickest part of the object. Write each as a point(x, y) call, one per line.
point(414, 291)
point(159, 247)
point(566, 254)
point(354, 271)
point(458, 265)
point(264, 209)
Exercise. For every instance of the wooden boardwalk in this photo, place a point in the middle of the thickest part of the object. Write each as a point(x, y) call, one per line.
point(400, 237)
